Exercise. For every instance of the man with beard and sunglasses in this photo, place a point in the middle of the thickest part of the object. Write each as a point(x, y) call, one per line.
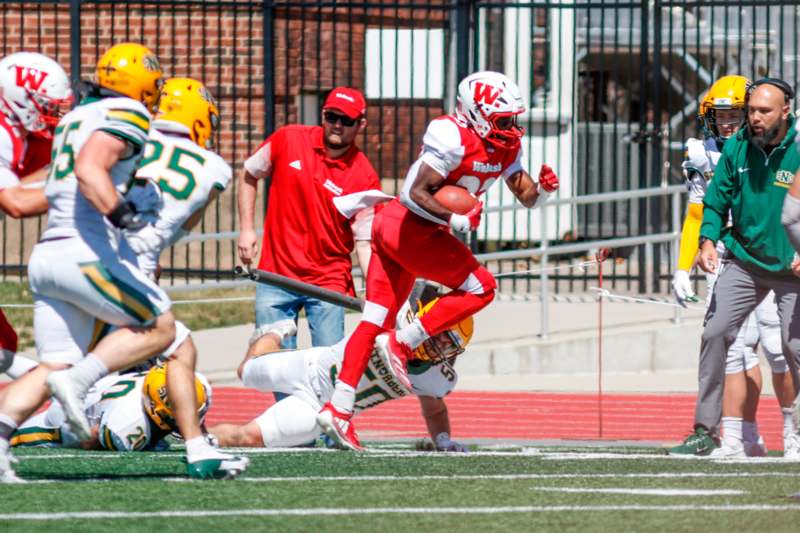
point(750, 183)
point(322, 194)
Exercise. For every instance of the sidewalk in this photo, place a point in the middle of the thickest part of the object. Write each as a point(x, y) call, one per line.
point(643, 349)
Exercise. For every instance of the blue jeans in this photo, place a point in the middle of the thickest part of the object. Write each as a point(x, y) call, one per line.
point(325, 320)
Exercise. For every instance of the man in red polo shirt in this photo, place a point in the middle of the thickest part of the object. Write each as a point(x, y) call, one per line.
point(321, 199)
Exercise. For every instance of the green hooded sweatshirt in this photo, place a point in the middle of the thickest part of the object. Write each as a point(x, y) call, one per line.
point(750, 186)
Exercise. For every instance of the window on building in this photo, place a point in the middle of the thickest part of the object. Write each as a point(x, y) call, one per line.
point(404, 63)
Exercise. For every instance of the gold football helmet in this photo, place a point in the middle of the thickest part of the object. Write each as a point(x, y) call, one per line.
point(133, 70)
point(188, 102)
point(448, 343)
point(157, 404)
point(728, 92)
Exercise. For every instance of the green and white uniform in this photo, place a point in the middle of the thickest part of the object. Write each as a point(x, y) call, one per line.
point(308, 377)
point(183, 176)
point(174, 180)
point(114, 404)
point(78, 272)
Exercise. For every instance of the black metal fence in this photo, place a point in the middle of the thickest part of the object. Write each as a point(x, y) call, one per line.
point(613, 88)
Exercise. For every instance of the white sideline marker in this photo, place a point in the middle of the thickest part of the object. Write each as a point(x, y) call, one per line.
point(106, 515)
point(646, 492)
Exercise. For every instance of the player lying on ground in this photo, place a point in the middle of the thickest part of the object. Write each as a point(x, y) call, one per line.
point(307, 377)
point(128, 412)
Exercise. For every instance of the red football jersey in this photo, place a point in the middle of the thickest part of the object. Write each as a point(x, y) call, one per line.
point(19, 155)
point(455, 151)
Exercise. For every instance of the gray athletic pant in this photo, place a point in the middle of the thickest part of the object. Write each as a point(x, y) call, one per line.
point(738, 291)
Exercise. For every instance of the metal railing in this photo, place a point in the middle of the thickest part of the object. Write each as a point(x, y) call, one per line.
point(549, 255)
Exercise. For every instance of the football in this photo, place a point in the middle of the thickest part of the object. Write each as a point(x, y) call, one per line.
point(457, 199)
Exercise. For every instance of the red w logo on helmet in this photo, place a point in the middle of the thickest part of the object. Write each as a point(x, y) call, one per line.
point(486, 93)
point(30, 78)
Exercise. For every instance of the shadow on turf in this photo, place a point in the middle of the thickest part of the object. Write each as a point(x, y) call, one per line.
point(101, 476)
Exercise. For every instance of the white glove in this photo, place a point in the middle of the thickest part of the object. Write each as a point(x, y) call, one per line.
point(468, 221)
point(682, 287)
point(145, 240)
point(145, 197)
point(444, 444)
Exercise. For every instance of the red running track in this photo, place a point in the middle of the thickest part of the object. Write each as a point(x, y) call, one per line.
point(522, 415)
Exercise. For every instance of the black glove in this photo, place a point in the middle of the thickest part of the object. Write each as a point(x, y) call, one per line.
point(124, 216)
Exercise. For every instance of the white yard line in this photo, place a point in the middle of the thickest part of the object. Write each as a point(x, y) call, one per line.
point(508, 477)
point(459, 477)
point(645, 492)
point(111, 515)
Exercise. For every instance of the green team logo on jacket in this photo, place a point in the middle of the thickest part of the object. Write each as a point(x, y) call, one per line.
point(784, 178)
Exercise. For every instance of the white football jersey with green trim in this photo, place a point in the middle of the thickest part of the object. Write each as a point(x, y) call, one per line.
point(377, 385)
point(70, 212)
point(184, 175)
point(114, 404)
point(123, 423)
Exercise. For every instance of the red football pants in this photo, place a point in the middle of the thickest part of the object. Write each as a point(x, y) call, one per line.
point(8, 337)
point(405, 247)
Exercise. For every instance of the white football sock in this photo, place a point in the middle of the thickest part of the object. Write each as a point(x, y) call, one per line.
point(7, 427)
point(750, 431)
point(343, 397)
point(732, 429)
point(87, 372)
point(21, 365)
point(788, 420)
point(197, 446)
point(412, 335)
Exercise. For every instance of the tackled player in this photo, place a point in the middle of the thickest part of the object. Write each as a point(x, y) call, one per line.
point(308, 376)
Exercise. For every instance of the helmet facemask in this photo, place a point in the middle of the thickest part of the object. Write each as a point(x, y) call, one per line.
point(505, 132)
point(50, 109)
point(441, 347)
point(732, 119)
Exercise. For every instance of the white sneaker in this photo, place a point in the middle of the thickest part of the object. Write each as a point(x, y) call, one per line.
point(213, 464)
point(7, 474)
point(282, 328)
point(791, 446)
point(755, 449)
point(63, 389)
point(729, 450)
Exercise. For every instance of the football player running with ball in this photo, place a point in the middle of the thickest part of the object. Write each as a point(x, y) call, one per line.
point(411, 236)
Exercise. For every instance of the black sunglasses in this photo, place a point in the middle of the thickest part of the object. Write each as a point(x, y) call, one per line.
point(332, 118)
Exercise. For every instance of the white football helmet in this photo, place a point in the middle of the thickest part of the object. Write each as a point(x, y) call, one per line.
point(34, 88)
point(490, 102)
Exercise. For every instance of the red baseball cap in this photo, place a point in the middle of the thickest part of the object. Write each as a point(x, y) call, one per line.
point(347, 100)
